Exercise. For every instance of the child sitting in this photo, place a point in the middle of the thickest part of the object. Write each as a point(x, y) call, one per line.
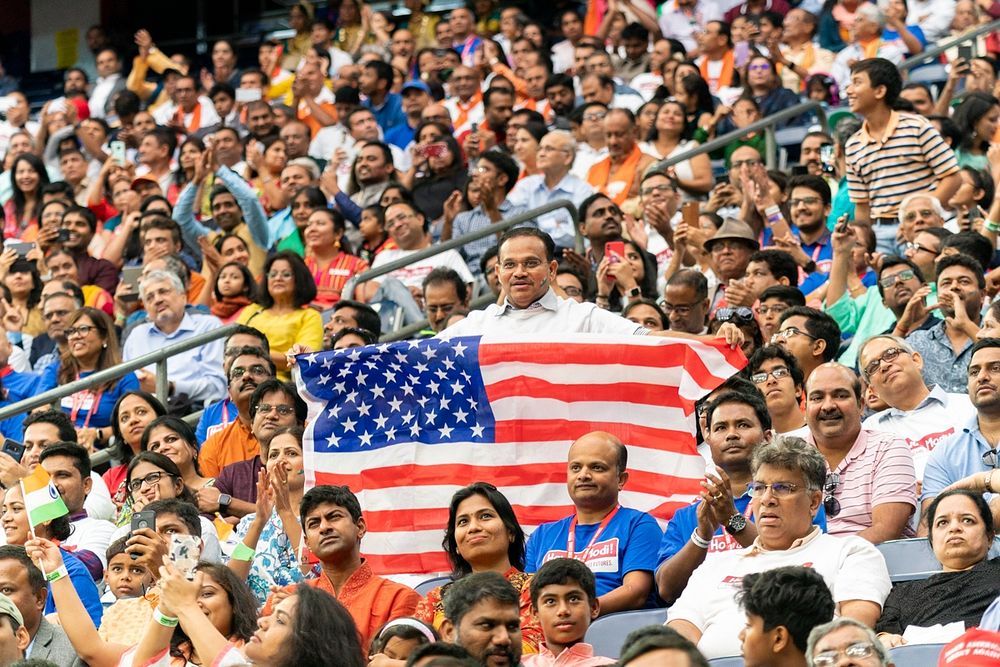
point(124, 578)
point(397, 639)
point(564, 599)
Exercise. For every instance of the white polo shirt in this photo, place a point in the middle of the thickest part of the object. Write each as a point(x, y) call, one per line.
point(851, 566)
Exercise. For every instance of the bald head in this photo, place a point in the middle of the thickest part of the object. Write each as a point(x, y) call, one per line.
point(595, 474)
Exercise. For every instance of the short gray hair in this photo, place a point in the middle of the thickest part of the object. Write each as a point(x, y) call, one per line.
point(900, 343)
point(935, 204)
point(306, 163)
point(872, 13)
point(791, 453)
point(568, 137)
point(821, 631)
point(159, 276)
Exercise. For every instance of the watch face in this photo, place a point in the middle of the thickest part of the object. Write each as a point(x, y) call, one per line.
point(736, 523)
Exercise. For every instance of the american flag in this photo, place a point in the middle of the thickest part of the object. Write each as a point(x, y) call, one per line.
point(405, 425)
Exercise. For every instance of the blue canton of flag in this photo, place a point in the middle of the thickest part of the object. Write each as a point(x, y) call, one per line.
point(428, 391)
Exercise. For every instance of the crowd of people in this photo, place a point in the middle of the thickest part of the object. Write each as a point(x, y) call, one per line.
point(145, 205)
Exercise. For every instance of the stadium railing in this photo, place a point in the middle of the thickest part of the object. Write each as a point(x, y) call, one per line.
point(455, 243)
point(159, 358)
point(928, 55)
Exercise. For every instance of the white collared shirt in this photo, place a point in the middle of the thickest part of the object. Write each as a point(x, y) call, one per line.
point(549, 314)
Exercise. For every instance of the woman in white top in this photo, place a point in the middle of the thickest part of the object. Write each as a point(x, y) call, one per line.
point(694, 175)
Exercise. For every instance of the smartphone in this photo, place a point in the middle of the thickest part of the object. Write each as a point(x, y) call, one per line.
point(131, 276)
point(966, 53)
point(615, 252)
point(248, 94)
point(62, 236)
point(13, 449)
point(143, 519)
point(800, 170)
point(689, 212)
point(434, 150)
point(826, 157)
point(118, 152)
point(741, 53)
point(21, 248)
point(185, 550)
point(842, 223)
point(474, 129)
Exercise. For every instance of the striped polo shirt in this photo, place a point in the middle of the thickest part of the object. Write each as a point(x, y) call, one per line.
point(910, 158)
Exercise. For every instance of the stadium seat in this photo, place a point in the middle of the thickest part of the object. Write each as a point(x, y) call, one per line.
point(791, 136)
point(909, 560)
point(607, 633)
point(424, 587)
point(932, 73)
point(731, 661)
point(916, 655)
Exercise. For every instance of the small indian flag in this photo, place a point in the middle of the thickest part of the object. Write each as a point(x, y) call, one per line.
point(41, 498)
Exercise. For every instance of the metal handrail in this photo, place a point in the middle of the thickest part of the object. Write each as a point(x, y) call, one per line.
point(159, 357)
point(764, 124)
point(410, 329)
point(489, 230)
point(930, 54)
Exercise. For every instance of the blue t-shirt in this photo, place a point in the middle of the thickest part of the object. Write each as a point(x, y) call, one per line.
point(628, 543)
point(685, 520)
point(20, 386)
point(102, 416)
point(390, 114)
point(218, 414)
point(400, 136)
point(85, 588)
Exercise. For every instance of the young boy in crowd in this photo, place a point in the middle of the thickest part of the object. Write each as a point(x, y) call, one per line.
point(125, 578)
point(564, 598)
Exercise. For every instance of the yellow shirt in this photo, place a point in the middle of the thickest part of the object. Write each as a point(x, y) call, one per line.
point(303, 326)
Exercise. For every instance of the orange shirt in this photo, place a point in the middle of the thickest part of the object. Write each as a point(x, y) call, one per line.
point(331, 278)
point(616, 184)
point(371, 600)
point(196, 286)
point(232, 444)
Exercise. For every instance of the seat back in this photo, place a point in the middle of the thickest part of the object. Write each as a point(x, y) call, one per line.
point(731, 661)
point(917, 655)
point(607, 633)
point(424, 587)
point(909, 560)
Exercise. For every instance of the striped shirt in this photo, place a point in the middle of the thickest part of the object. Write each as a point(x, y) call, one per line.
point(331, 278)
point(910, 157)
point(877, 470)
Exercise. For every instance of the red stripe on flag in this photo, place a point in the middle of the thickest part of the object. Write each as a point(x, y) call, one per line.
point(538, 430)
point(633, 392)
point(408, 563)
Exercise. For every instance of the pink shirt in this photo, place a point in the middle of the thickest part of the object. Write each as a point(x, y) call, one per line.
point(577, 655)
point(877, 470)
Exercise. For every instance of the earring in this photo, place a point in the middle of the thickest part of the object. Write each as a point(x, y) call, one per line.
point(104, 347)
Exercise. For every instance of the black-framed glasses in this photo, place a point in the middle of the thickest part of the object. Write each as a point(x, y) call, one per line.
point(915, 247)
point(888, 281)
point(152, 479)
point(81, 329)
point(777, 374)
point(682, 309)
point(871, 368)
point(830, 503)
point(741, 315)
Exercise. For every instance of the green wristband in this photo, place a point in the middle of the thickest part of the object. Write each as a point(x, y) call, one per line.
point(243, 552)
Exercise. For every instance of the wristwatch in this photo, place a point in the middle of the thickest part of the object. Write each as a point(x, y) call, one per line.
point(633, 293)
point(225, 499)
point(736, 524)
point(810, 267)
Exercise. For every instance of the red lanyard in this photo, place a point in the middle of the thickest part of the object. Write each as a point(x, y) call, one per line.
point(79, 398)
point(225, 412)
point(571, 539)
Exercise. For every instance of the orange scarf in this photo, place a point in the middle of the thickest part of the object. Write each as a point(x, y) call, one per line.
point(871, 48)
point(464, 109)
point(195, 119)
point(726, 77)
point(601, 178)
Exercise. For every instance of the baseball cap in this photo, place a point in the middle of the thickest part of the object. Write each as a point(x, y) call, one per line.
point(976, 648)
point(8, 608)
point(144, 178)
point(416, 84)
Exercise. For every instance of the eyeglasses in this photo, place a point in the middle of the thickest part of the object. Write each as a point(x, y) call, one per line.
point(992, 368)
point(256, 370)
point(762, 67)
point(777, 374)
point(741, 315)
point(857, 650)
point(594, 116)
point(871, 368)
point(752, 162)
point(152, 479)
point(808, 201)
point(280, 274)
point(82, 330)
point(776, 309)
point(546, 149)
point(52, 314)
point(572, 291)
point(663, 188)
point(267, 408)
point(778, 489)
point(831, 504)
point(916, 247)
point(682, 309)
point(910, 216)
point(788, 333)
point(888, 281)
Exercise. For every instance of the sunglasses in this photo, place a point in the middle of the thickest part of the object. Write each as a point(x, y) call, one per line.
point(831, 504)
point(741, 315)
